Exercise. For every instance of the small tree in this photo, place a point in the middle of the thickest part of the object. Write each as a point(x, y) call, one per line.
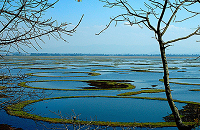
point(163, 13)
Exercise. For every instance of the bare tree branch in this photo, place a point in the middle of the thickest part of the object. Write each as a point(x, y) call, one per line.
point(196, 32)
point(162, 15)
point(22, 23)
point(112, 19)
point(172, 16)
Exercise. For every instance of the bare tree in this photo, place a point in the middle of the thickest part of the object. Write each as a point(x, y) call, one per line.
point(157, 16)
point(22, 24)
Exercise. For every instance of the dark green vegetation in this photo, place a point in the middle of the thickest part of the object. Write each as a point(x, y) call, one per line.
point(109, 84)
point(97, 85)
point(194, 90)
point(190, 113)
point(4, 77)
point(8, 127)
point(93, 74)
point(2, 87)
point(17, 110)
point(142, 91)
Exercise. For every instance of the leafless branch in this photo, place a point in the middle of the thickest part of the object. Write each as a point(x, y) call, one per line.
point(196, 32)
point(112, 19)
point(172, 16)
point(22, 23)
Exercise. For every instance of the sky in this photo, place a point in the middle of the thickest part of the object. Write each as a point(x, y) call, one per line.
point(120, 39)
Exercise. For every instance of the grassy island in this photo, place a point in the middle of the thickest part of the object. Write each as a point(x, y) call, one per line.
point(142, 91)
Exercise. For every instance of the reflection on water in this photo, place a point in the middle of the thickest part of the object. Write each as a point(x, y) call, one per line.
point(59, 84)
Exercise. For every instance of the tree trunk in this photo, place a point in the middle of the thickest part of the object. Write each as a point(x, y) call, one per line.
point(174, 109)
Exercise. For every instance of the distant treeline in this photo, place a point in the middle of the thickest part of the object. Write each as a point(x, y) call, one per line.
point(81, 54)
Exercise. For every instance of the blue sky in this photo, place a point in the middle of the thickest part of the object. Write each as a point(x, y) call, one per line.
point(122, 39)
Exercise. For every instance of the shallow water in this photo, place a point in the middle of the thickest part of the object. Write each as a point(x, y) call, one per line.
point(187, 81)
point(106, 109)
point(110, 68)
point(59, 84)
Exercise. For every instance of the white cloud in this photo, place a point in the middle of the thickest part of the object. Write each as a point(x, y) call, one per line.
point(175, 28)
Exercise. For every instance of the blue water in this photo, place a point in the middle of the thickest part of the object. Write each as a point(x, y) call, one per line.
point(106, 109)
point(110, 68)
point(188, 81)
point(59, 84)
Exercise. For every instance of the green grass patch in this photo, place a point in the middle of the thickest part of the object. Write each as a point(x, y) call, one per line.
point(142, 91)
point(2, 87)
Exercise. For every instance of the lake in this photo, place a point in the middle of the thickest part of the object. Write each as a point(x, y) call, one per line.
point(87, 76)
